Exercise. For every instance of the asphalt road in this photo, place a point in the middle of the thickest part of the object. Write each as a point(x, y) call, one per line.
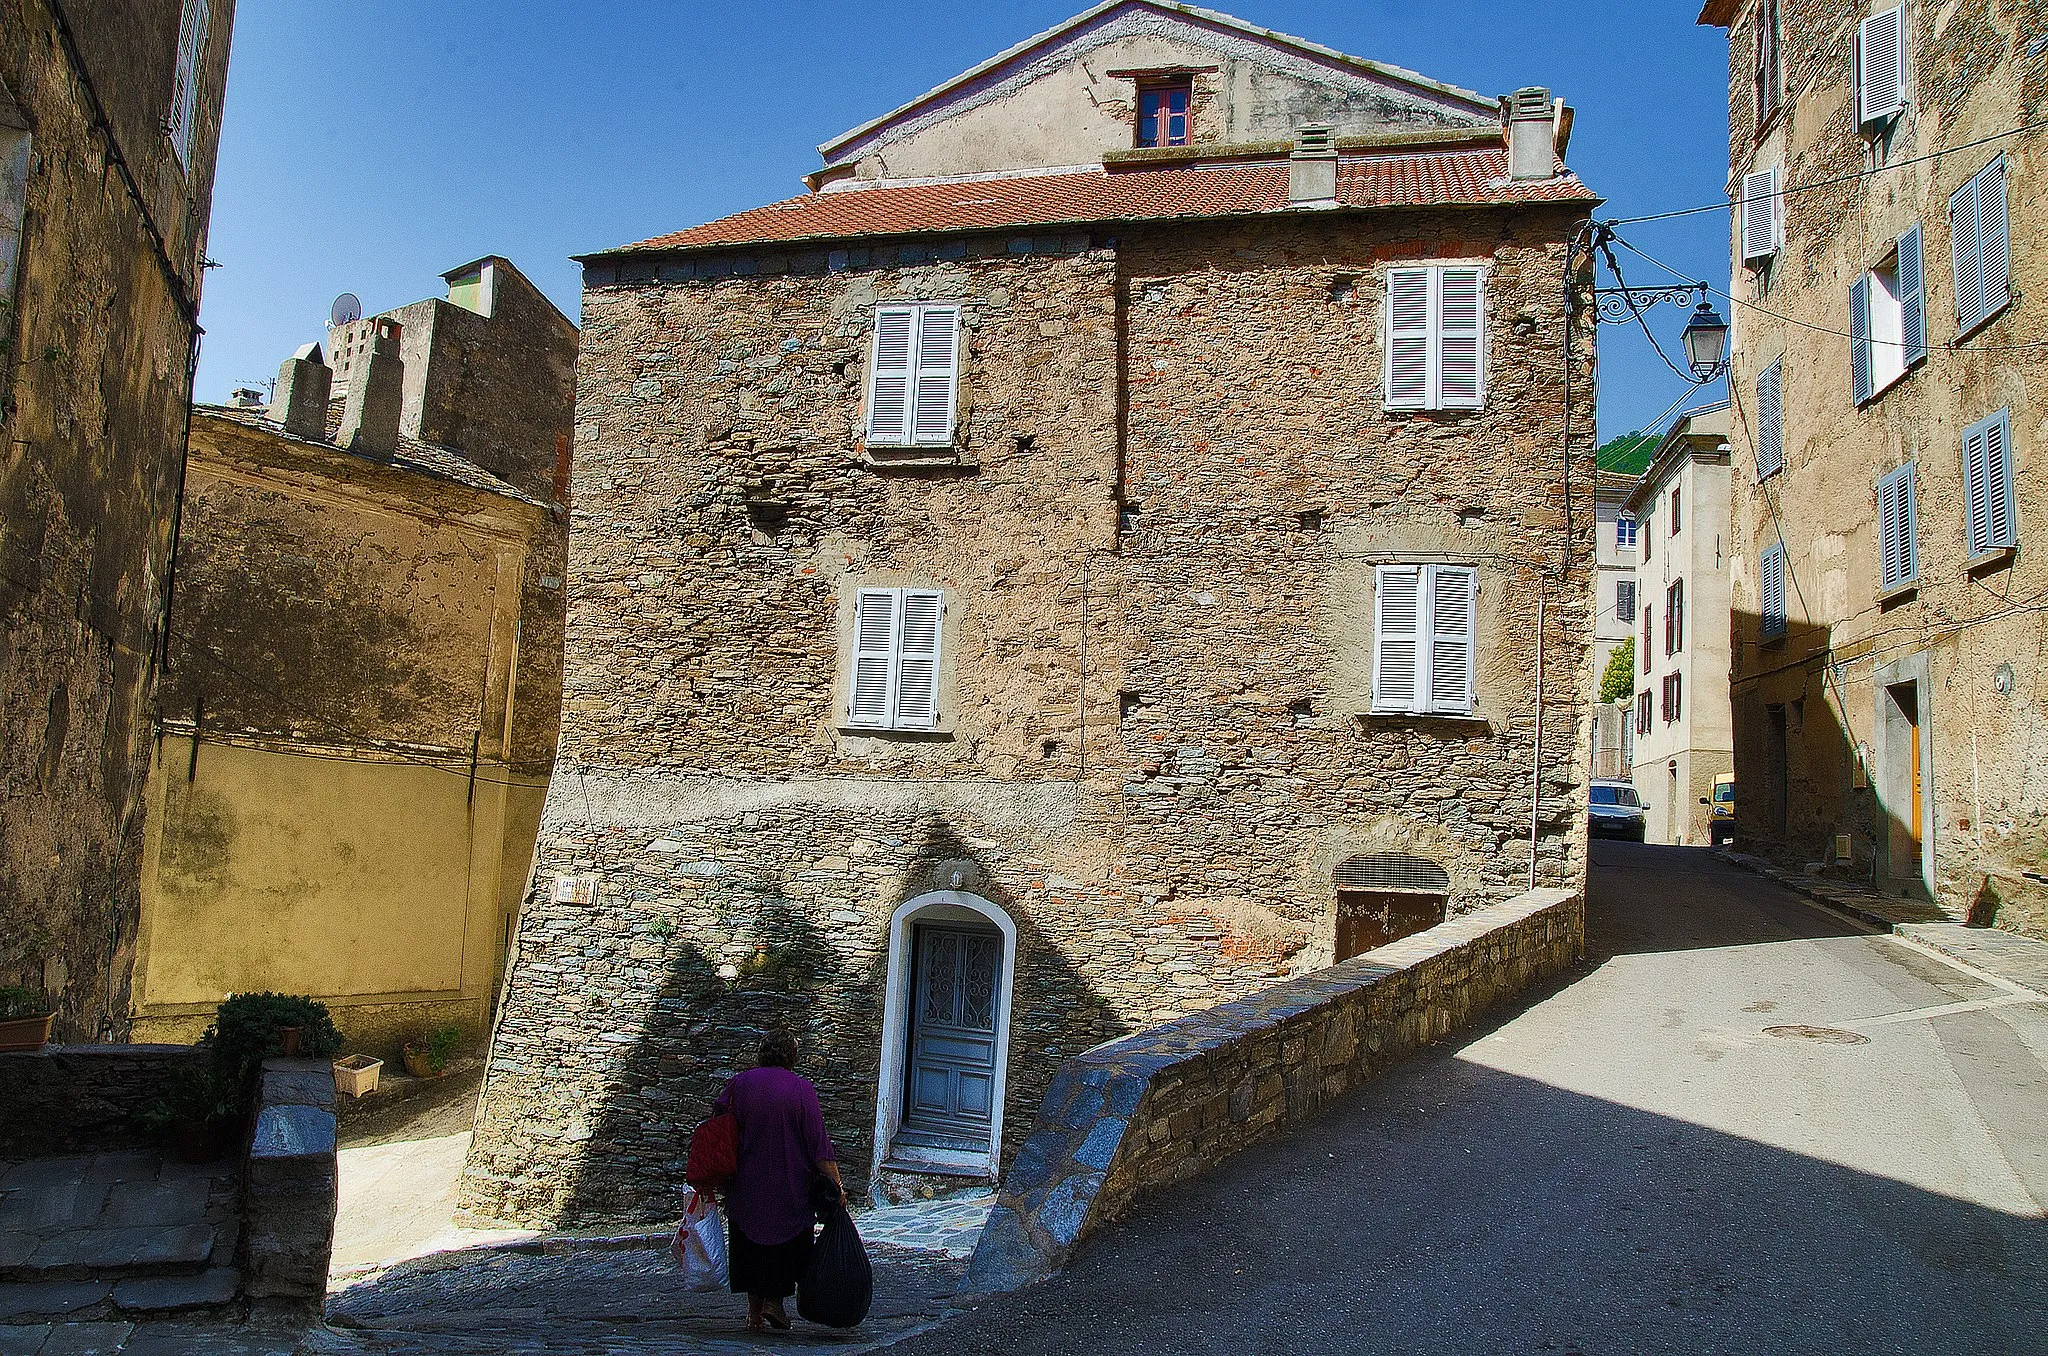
point(1633, 1162)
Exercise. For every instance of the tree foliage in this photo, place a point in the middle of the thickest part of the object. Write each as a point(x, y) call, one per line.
point(1627, 455)
point(1618, 682)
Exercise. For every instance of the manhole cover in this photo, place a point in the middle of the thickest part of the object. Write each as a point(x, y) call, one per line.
point(1832, 1035)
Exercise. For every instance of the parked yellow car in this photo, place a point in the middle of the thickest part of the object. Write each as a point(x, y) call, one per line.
point(1721, 810)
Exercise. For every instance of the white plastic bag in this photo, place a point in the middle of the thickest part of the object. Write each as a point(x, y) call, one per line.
point(699, 1244)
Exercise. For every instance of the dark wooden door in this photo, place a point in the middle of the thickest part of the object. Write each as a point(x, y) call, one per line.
point(950, 1077)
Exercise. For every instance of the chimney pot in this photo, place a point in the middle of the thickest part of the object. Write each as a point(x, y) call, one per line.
point(376, 394)
point(1312, 169)
point(304, 383)
point(1532, 134)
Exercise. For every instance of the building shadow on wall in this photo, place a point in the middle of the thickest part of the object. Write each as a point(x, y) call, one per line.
point(777, 963)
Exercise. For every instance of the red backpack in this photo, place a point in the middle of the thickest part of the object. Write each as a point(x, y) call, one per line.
point(714, 1154)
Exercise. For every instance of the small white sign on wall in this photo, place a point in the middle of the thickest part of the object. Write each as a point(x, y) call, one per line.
point(576, 890)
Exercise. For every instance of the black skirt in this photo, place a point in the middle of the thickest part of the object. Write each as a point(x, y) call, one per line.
point(768, 1271)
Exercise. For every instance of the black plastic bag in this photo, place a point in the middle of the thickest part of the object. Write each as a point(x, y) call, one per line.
point(838, 1284)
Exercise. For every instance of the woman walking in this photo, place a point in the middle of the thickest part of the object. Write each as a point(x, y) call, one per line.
point(783, 1150)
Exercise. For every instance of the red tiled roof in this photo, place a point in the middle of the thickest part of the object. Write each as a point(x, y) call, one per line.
point(1456, 178)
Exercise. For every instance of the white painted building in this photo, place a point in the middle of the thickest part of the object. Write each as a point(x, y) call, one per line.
point(1614, 617)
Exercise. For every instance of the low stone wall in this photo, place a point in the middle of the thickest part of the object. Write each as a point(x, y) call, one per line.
point(290, 1185)
point(1168, 1103)
point(81, 1099)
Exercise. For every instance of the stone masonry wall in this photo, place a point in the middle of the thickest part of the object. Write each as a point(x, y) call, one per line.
point(1136, 614)
point(95, 377)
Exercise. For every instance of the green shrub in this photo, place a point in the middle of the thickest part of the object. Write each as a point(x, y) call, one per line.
point(17, 1002)
point(197, 1095)
point(245, 1033)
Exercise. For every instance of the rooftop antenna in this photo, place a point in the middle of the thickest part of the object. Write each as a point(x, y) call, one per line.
point(347, 308)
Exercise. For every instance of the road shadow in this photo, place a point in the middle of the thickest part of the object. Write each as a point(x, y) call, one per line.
point(1643, 900)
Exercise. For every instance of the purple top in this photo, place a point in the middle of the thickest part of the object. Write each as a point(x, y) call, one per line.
point(782, 1140)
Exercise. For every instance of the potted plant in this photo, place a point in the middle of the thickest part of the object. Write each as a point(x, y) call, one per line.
point(428, 1056)
point(201, 1112)
point(24, 1019)
point(252, 1027)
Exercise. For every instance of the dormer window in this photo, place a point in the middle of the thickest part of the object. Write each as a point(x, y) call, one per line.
point(1163, 111)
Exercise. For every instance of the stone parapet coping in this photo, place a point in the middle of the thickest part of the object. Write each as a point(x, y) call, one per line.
point(291, 1185)
point(1170, 1102)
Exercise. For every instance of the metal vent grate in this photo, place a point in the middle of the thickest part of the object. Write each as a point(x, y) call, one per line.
point(1391, 871)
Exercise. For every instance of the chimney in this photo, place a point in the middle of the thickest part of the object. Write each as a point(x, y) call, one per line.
point(376, 394)
point(1312, 169)
point(304, 383)
point(246, 398)
point(1532, 134)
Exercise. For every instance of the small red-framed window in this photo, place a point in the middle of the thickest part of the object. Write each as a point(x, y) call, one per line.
point(1163, 112)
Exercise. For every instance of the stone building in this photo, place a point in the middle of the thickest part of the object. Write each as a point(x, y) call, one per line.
point(1018, 595)
point(109, 119)
point(1681, 733)
point(1892, 293)
point(359, 717)
point(1614, 617)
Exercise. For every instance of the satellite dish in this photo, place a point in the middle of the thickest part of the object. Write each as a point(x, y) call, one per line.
point(347, 308)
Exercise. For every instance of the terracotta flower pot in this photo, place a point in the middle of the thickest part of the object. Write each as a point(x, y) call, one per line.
point(26, 1033)
point(288, 1041)
point(420, 1066)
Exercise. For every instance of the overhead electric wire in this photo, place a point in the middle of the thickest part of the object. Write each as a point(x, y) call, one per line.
point(1789, 190)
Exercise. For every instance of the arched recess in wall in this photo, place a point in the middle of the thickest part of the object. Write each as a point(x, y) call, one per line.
point(946, 1035)
point(1385, 896)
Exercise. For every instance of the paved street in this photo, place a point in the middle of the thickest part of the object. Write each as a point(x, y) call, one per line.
point(1635, 1163)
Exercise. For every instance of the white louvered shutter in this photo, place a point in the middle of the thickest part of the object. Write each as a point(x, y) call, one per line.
point(1859, 338)
point(1987, 484)
point(1771, 592)
point(1994, 239)
point(1408, 331)
point(1770, 420)
point(1881, 66)
point(1453, 595)
point(889, 376)
point(1912, 279)
point(917, 673)
point(1397, 637)
point(1895, 516)
point(185, 83)
point(1762, 215)
point(872, 701)
point(1461, 319)
point(938, 373)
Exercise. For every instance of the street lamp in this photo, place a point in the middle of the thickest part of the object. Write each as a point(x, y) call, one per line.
point(1706, 342)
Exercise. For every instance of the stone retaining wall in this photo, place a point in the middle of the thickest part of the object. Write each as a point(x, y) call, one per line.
point(81, 1099)
point(1170, 1102)
point(290, 1186)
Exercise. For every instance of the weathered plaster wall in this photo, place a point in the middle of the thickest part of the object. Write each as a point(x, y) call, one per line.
point(1122, 769)
point(1976, 71)
point(1061, 104)
point(95, 361)
point(348, 824)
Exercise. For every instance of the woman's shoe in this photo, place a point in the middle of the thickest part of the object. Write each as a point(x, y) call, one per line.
point(777, 1318)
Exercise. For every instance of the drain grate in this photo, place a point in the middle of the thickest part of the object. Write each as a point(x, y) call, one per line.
point(1829, 1035)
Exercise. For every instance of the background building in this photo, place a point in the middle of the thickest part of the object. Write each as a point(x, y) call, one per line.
point(1887, 376)
point(359, 718)
point(1614, 617)
point(1028, 600)
point(109, 118)
point(1682, 738)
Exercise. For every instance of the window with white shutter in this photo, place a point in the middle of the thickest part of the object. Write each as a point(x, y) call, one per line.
point(1897, 514)
point(1860, 376)
point(1987, 484)
point(1763, 215)
point(1770, 420)
point(1881, 66)
point(185, 82)
point(914, 376)
point(1909, 281)
point(1980, 247)
point(1888, 320)
point(1771, 591)
point(1425, 632)
point(1436, 338)
point(894, 684)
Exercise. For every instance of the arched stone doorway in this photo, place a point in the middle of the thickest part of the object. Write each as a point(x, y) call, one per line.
point(1385, 896)
point(945, 1036)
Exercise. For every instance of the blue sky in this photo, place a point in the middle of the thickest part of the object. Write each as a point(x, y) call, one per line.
point(370, 146)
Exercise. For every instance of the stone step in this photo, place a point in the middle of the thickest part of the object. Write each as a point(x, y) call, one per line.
point(118, 1252)
point(214, 1290)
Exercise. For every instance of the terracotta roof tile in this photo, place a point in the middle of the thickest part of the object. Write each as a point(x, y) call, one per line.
point(1429, 179)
